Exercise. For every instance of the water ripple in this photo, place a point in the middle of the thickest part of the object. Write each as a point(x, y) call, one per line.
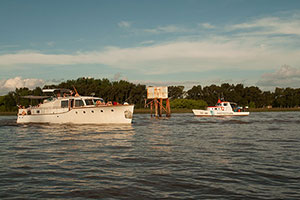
point(182, 157)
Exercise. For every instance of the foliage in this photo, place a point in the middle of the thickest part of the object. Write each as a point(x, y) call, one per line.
point(196, 97)
point(188, 103)
point(252, 105)
point(176, 92)
point(8, 102)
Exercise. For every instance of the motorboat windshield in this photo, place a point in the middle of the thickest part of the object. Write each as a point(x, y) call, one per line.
point(89, 102)
point(95, 100)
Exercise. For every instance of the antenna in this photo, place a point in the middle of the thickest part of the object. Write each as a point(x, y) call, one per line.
point(222, 97)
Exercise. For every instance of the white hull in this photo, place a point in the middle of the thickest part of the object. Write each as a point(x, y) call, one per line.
point(213, 113)
point(119, 114)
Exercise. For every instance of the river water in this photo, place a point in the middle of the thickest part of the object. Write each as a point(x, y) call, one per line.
point(183, 157)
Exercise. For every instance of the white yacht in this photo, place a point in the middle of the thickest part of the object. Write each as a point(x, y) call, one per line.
point(66, 108)
point(222, 108)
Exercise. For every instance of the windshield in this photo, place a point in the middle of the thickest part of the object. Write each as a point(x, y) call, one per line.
point(98, 99)
point(89, 102)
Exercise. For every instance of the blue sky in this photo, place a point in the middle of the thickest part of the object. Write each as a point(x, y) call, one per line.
point(169, 42)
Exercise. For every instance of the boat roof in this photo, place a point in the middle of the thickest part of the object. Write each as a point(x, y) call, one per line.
point(57, 89)
point(78, 97)
point(35, 97)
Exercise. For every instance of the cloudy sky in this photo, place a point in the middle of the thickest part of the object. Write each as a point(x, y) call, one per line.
point(170, 42)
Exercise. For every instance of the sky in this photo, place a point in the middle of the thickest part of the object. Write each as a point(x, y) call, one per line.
point(157, 42)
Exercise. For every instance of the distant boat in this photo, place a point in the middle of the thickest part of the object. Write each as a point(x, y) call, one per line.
point(64, 107)
point(222, 108)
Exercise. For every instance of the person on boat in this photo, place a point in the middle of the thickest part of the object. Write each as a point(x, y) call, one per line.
point(98, 102)
point(72, 93)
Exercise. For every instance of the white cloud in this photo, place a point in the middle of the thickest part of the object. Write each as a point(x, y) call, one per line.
point(167, 29)
point(285, 76)
point(271, 25)
point(147, 42)
point(207, 25)
point(117, 76)
point(179, 56)
point(124, 24)
point(19, 82)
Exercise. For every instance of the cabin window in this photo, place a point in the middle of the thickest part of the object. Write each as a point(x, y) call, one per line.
point(64, 104)
point(95, 100)
point(89, 102)
point(78, 103)
point(225, 104)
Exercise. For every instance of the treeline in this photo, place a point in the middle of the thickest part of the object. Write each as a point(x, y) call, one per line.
point(196, 97)
point(119, 91)
point(247, 96)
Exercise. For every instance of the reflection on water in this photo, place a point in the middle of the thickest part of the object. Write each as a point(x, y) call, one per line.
point(183, 157)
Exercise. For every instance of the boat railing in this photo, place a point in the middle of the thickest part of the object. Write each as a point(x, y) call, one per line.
point(43, 110)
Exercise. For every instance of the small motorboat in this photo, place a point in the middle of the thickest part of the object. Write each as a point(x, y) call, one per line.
point(222, 109)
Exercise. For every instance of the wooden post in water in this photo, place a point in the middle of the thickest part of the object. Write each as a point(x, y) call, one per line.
point(156, 107)
point(151, 107)
point(160, 107)
point(168, 108)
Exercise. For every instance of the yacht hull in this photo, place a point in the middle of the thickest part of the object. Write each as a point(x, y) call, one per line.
point(211, 113)
point(119, 114)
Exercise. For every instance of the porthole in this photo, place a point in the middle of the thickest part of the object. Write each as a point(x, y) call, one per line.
point(92, 111)
point(101, 110)
point(112, 110)
point(76, 112)
point(83, 112)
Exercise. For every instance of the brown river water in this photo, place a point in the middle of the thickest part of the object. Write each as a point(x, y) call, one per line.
point(183, 157)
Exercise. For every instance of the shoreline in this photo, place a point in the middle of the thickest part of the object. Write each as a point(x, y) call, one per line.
point(7, 113)
point(185, 110)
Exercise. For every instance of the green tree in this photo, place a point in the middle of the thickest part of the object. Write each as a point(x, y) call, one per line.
point(175, 92)
point(195, 92)
point(188, 103)
point(9, 102)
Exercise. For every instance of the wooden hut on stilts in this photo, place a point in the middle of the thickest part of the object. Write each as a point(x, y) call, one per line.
point(158, 98)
